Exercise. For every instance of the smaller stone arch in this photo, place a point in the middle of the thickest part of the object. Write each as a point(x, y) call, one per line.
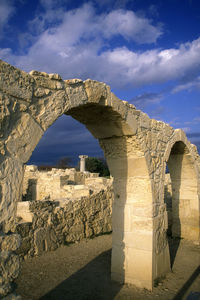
point(182, 160)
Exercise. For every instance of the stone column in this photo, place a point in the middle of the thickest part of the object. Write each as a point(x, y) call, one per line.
point(82, 162)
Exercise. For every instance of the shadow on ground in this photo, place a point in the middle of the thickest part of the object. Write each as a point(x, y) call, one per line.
point(173, 249)
point(91, 282)
point(186, 286)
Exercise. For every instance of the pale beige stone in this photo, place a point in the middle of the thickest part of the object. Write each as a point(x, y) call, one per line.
point(136, 148)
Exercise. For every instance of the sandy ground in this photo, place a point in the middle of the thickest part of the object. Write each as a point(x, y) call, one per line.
point(82, 272)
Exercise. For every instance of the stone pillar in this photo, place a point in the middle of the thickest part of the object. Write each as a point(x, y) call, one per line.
point(82, 162)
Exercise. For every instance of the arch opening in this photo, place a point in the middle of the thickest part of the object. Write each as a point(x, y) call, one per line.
point(132, 206)
point(132, 240)
point(184, 219)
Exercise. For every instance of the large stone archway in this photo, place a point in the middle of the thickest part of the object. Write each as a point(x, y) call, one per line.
point(136, 149)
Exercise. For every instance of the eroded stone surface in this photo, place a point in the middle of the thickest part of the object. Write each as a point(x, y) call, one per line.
point(136, 148)
point(65, 221)
point(9, 263)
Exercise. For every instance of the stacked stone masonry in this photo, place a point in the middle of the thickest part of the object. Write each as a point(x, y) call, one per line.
point(45, 221)
point(136, 148)
point(62, 207)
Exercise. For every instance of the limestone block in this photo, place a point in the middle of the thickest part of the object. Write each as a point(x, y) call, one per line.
point(46, 110)
point(23, 211)
point(5, 112)
point(44, 240)
point(76, 94)
point(145, 121)
point(168, 130)
point(75, 233)
point(93, 181)
point(141, 223)
point(11, 175)
point(10, 242)
point(55, 76)
point(114, 148)
point(129, 167)
point(142, 208)
point(16, 82)
point(31, 168)
point(96, 91)
point(23, 229)
point(132, 122)
point(37, 73)
point(138, 268)
point(24, 137)
point(122, 217)
point(9, 266)
point(40, 92)
point(119, 106)
point(139, 189)
point(138, 239)
point(46, 82)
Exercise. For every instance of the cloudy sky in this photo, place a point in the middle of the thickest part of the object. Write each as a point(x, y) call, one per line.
point(148, 51)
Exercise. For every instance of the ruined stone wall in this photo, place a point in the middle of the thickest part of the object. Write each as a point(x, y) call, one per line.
point(59, 183)
point(54, 224)
point(9, 264)
point(35, 239)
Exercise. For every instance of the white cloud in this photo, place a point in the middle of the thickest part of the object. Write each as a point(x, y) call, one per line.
point(130, 26)
point(6, 10)
point(187, 86)
point(155, 66)
point(76, 47)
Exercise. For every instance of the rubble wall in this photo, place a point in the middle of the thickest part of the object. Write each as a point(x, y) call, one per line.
point(56, 224)
point(59, 183)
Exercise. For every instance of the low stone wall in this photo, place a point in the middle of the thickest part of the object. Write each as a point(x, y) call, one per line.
point(46, 224)
point(66, 221)
point(9, 264)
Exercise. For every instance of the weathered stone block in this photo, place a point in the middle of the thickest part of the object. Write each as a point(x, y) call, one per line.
point(10, 242)
point(25, 133)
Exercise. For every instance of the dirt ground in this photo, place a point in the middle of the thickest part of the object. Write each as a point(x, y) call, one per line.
point(82, 272)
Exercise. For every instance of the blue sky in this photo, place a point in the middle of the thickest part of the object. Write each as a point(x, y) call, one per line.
point(147, 51)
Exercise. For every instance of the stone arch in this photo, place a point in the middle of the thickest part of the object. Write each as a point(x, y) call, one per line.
point(135, 148)
point(182, 160)
point(36, 100)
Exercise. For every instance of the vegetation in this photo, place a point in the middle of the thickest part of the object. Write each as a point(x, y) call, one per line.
point(97, 165)
point(64, 163)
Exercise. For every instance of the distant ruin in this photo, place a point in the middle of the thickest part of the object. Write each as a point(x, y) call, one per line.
point(137, 150)
point(60, 207)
